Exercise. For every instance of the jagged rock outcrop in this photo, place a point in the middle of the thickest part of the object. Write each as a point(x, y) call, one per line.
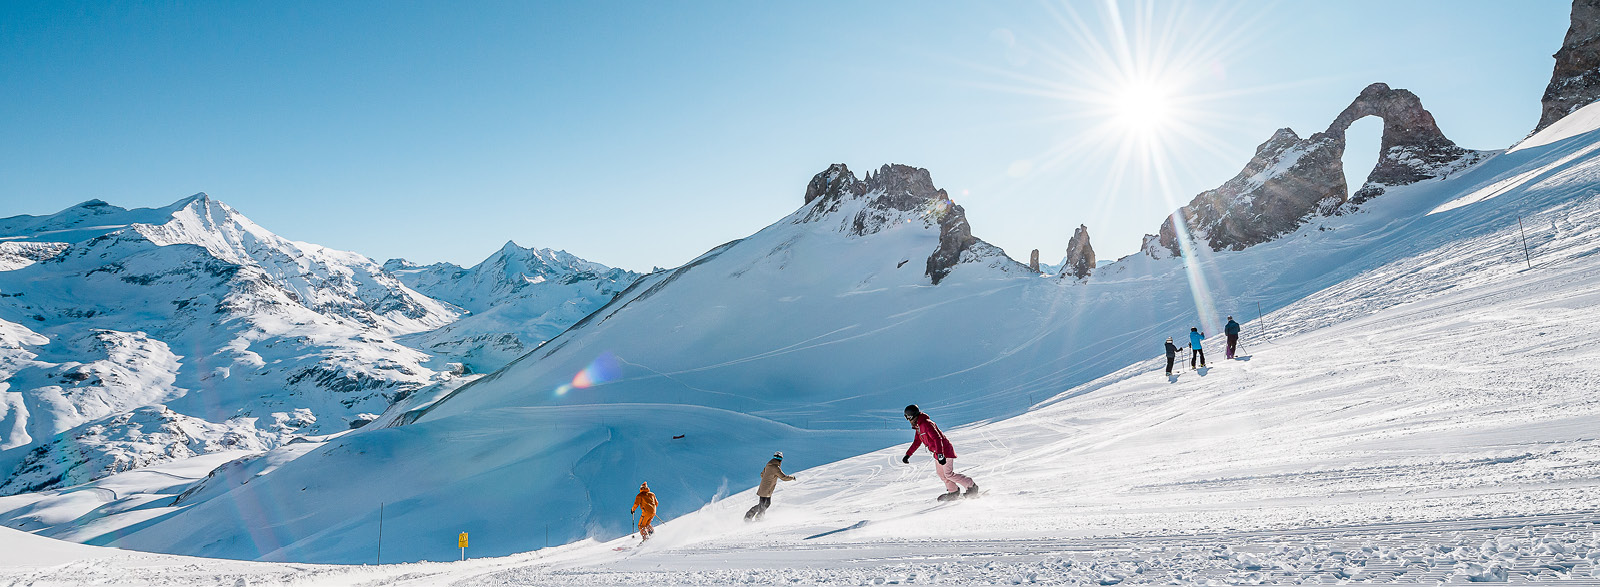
point(1575, 82)
point(1080, 256)
point(897, 193)
point(1290, 178)
point(1033, 261)
point(1287, 179)
point(1412, 148)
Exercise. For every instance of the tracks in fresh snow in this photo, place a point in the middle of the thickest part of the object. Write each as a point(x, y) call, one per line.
point(1559, 547)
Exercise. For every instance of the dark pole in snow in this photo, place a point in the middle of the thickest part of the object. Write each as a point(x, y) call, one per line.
point(380, 532)
point(1260, 316)
point(1525, 255)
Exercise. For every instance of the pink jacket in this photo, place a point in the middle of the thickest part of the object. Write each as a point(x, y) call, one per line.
point(928, 435)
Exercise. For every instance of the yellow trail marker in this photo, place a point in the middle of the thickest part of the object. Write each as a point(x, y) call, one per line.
point(462, 541)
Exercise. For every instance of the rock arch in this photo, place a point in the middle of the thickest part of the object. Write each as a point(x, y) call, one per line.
point(1290, 178)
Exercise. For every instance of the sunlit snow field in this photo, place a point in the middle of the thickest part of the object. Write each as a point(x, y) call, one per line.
point(1433, 418)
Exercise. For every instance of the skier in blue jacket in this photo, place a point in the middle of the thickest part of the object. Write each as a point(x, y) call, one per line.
point(1196, 351)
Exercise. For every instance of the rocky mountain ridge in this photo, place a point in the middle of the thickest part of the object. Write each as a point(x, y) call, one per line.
point(897, 193)
point(1291, 178)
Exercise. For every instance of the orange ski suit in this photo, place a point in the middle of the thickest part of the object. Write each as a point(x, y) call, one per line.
point(645, 503)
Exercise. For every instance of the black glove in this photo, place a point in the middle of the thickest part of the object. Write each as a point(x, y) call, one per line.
point(940, 458)
point(906, 459)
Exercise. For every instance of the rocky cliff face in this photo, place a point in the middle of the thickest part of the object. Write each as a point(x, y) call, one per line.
point(1033, 261)
point(1287, 179)
point(1412, 148)
point(1290, 178)
point(897, 193)
point(1080, 256)
point(1575, 83)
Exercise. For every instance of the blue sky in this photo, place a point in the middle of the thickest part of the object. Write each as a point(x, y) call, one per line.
point(642, 134)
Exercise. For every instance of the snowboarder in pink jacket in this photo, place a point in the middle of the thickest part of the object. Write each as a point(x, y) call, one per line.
point(944, 455)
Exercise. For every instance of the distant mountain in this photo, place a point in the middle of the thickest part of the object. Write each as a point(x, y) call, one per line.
point(516, 299)
point(133, 336)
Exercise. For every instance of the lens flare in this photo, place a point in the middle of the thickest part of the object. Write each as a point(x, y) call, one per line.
point(604, 368)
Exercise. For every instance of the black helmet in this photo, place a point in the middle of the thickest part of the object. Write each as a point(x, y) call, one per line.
point(912, 411)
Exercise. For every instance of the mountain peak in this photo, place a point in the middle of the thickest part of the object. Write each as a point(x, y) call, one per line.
point(186, 201)
point(94, 204)
point(894, 195)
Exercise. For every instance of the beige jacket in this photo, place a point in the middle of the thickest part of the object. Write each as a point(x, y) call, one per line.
point(770, 477)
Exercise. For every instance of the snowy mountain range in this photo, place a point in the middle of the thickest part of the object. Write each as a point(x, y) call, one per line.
point(515, 300)
point(808, 337)
point(130, 337)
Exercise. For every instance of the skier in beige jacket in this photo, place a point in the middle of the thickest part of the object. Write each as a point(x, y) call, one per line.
point(769, 481)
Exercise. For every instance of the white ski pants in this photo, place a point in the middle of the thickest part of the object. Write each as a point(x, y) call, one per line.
point(952, 480)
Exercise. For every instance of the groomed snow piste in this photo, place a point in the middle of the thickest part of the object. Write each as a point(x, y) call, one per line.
point(1430, 415)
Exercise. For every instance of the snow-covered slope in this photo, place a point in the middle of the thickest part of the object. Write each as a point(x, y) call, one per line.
point(1425, 420)
point(517, 298)
point(153, 334)
point(809, 337)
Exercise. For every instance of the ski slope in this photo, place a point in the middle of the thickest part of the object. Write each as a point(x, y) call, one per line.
point(1432, 419)
point(809, 339)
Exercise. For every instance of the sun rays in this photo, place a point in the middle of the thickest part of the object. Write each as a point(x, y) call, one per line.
point(1138, 89)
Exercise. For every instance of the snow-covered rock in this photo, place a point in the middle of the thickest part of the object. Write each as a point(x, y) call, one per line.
point(897, 194)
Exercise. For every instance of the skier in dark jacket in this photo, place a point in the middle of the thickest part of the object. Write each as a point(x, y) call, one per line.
point(1195, 350)
point(1172, 354)
point(770, 475)
point(944, 455)
point(1232, 330)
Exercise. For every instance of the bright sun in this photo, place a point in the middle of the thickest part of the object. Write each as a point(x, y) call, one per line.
point(1144, 107)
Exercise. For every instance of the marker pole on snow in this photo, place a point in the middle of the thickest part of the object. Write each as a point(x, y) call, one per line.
point(1525, 255)
point(1260, 316)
